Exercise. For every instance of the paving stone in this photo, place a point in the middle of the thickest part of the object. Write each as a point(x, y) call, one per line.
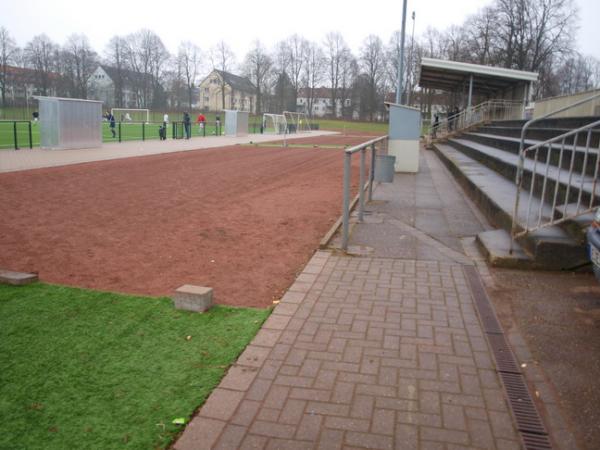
point(384, 353)
point(239, 378)
point(221, 404)
point(193, 298)
point(200, 434)
point(17, 278)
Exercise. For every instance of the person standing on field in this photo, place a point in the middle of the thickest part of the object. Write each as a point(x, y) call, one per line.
point(111, 123)
point(187, 125)
point(201, 121)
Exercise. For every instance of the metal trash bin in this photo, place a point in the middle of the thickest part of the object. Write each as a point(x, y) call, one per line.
point(384, 168)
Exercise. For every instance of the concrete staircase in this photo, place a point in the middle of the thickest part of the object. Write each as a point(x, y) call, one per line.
point(484, 160)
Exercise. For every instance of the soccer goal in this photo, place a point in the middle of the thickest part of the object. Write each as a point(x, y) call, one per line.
point(297, 122)
point(131, 115)
point(274, 124)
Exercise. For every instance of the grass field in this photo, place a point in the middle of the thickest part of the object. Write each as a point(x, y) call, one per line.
point(88, 369)
point(137, 131)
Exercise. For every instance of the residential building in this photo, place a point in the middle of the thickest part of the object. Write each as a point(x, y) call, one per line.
point(121, 88)
point(239, 92)
point(320, 99)
point(22, 84)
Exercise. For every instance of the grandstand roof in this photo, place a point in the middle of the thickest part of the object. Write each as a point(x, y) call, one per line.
point(452, 75)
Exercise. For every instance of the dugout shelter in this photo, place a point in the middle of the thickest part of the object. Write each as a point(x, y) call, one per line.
point(68, 123)
point(236, 122)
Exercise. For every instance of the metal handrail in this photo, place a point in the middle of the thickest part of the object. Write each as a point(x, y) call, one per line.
point(471, 116)
point(548, 143)
point(361, 192)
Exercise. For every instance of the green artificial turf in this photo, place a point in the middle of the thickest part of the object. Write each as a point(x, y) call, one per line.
point(348, 125)
point(88, 369)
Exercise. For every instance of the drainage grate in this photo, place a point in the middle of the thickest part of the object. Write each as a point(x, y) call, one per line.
point(528, 419)
point(536, 442)
point(529, 423)
point(484, 309)
point(505, 360)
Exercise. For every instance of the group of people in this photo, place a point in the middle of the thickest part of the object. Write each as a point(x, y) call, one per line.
point(162, 130)
point(453, 115)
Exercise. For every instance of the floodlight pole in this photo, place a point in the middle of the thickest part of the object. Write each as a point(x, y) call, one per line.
point(410, 59)
point(401, 56)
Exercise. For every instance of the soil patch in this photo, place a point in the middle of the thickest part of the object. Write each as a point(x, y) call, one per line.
point(243, 220)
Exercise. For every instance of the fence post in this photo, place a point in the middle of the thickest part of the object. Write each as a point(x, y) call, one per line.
point(119, 131)
point(361, 187)
point(15, 135)
point(372, 172)
point(30, 137)
point(143, 131)
point(346, 203)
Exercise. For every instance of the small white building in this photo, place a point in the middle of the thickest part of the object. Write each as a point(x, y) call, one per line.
point(320, 98)
point(120, 87)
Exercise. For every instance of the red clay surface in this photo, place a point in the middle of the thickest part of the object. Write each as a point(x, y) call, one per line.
point(243, 220)
point(341, 140)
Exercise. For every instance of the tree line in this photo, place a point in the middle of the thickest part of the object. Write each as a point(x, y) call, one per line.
point(531, 35)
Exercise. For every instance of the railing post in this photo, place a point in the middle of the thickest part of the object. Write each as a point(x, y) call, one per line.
point(372, 172)
point(361, 187)
point(119, 131)
point(143, 131)
point(346, 201)
point(15, 135)
point(30, 136)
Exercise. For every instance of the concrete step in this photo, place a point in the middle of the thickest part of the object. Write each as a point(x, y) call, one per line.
point(549, 248)
point(576, 227)
point(505, 163)
point(496, 247)
point(540, 134)
point(512, 145)
point(560, 122)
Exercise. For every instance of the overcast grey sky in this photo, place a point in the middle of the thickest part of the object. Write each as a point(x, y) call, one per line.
point(239, 22)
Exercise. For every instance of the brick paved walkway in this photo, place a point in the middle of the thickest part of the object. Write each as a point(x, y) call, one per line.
point(363, 353)
point(383, 351)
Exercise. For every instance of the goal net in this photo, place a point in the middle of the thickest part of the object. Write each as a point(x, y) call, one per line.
point(297, 122)
point(131, 115)
point(274, 124)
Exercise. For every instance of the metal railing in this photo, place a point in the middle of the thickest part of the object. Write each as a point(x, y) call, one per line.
point(487, 111)
point(14, 133)
point(541, 165)
point(362, 148)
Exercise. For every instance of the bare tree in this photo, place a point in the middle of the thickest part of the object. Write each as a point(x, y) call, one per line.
point(294, 52)
point(336, 54)
point(257, 66)
point(222, 59)
point(79, 60)
point(189, 62)
point(40, 54)
point(115, 55)
point(372, 64)
point(146, 56)
point(348, 73)
point(8, 52)
point(313, 71)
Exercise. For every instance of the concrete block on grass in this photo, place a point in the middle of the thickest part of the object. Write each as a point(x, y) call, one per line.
point(16, 278)
point(193, 298)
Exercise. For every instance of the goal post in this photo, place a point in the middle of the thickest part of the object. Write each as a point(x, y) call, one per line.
point(131, 115)
point(274, 124)
point(297, 122)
